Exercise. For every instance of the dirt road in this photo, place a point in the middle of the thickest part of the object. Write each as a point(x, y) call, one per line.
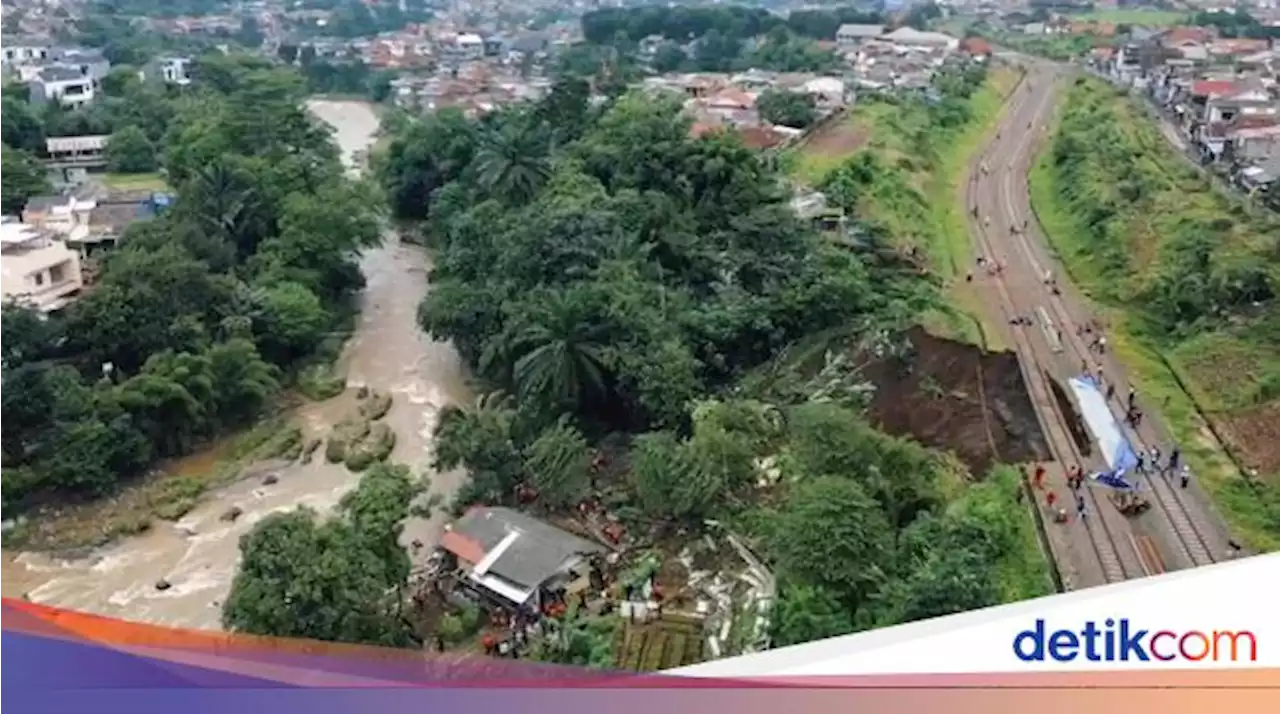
point(1181, 529)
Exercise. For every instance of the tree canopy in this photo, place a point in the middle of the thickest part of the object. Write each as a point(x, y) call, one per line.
point(340, 579)
point(201, 312)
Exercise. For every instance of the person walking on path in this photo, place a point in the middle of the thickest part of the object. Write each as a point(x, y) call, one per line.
point(1039, 477)
point(1174, 457)
point(1080, 506)
point(1142, 463)
point(1186, 476)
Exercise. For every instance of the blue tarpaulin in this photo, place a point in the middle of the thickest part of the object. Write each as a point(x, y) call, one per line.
point(1114, 479)
point(1107, 434)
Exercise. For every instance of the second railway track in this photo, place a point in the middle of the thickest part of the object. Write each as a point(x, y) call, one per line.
point(1120, 552)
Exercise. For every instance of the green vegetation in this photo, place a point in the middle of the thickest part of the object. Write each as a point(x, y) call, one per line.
point(791, 109)
point(341, 580)
point(1235, 24)
point(1138, 16)
point(613, 281)
point(714, 39)
point(1060, 47)
point(195, 320)
point(1190, 276)
point(907, 182)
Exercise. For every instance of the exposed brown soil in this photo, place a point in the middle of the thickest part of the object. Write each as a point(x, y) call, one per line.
point(956, 397)
point(1255, 435)
point(1070, 416)
point(838, 138)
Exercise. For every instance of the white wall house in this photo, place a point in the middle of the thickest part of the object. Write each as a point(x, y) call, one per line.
point(470, 46)
point(21, 50)
point(37, 269)
point(65, 85)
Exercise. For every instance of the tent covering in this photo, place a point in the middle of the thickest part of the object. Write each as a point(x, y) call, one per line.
point(1107, 434)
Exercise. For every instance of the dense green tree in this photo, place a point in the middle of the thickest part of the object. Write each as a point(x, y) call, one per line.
point(341, 580)
point(129, 151)
point(793, 109)
point(831, 533)
point(27, 335)
point(22, 177)
point(559, 464)
point(22, 127)
point(804, 613)
point(290, 320)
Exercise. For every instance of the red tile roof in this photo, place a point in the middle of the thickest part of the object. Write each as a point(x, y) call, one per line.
point(463, 547)
point(1188, 34)
point(976, 46)
point(732, 97)
point(1212, 87)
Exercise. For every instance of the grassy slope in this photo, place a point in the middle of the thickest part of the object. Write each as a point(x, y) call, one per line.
point(1206, 376)
point(939, 222)
point(1136, 16)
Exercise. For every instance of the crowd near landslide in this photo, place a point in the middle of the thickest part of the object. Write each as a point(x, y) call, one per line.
point(1194, 272)
point(616, 284)
point(201, 315)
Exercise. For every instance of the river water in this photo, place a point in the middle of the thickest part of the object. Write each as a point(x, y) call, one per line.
point(198, 555)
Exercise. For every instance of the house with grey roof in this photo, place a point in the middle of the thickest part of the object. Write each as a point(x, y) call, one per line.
point(516, 559)
point(850, 37)
point(64, 84)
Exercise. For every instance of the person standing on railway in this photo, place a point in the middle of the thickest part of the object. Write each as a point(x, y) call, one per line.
point(1142, 463)
point(1186, 475)
point(1155, 460)
point(1174, 457)
point(1080, 506)
point(1111, 392)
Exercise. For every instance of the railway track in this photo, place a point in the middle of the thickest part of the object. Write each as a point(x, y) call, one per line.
point(1187, 536)
point(1120, 553)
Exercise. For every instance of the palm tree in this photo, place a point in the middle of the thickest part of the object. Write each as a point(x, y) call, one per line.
point(512, 162)
point(560, 363)
point(224, 205)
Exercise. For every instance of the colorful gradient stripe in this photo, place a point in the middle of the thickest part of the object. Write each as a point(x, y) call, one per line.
point(63, 661)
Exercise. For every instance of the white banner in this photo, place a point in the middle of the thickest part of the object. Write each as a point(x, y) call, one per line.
point(1218, 617)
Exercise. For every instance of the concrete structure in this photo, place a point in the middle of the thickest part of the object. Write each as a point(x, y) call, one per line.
point(19, 51)
point(38, 270)
point(90, 62)
point(62, 84)
point(907, 37)
point(169, 70)
point(850, 37)
point(76, 151)
point(470, 46)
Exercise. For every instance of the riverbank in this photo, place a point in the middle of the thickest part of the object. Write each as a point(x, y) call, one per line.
point(197, 555)
point(1212, 383)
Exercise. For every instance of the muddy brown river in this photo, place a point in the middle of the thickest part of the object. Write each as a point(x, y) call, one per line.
point(198, 554)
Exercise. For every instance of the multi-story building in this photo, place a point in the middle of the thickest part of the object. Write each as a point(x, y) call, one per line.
point(169, 70)
point(62, 84)
point(38, 270)
point(24, 50)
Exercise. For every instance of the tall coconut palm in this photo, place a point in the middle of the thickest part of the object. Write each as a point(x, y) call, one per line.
point(224, 204)
point(560, 363)
point(512, 163)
